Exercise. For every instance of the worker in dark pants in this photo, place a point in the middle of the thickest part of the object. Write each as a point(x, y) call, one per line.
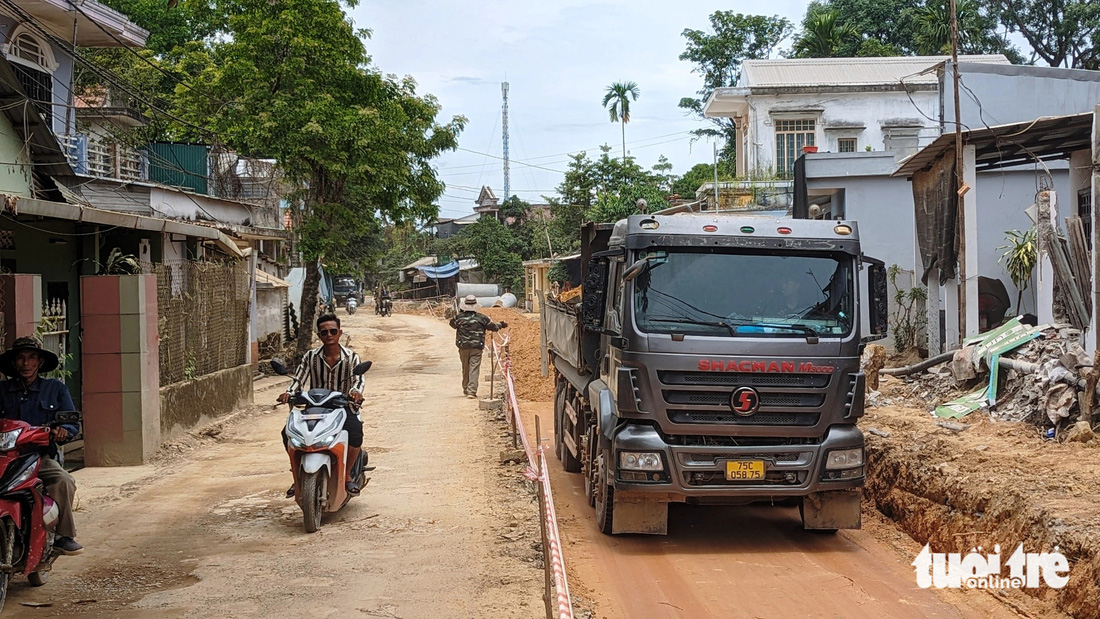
point(470, 329)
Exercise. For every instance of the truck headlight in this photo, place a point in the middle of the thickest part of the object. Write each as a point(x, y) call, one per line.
point(844, 458)
point(640, 461)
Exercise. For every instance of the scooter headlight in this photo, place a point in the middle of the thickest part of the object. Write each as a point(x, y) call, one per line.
point(296, 443)
point(7, 439)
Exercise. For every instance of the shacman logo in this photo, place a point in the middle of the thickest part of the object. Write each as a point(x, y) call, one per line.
point(745, 401)
point(976, 571)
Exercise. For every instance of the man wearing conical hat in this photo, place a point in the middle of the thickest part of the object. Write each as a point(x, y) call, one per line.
point(27, 396)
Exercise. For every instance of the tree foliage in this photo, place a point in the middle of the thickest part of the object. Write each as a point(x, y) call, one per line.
point(718, 56)
point(1063, 33)
point(824, 36)
point(357, 143)
point(617, 101)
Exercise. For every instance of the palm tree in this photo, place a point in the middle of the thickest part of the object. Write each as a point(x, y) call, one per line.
point(617, 101)
point(824, 37)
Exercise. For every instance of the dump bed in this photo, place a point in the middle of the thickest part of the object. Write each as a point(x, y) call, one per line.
point(563, 333)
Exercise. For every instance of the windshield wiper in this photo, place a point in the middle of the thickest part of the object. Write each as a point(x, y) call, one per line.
point(688, 321)
point(811, 335)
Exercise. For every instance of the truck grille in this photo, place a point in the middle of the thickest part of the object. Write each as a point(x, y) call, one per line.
point(722, 398)
point(728, 417)
point(745, 379)
point(713, 458)
point(718, 478)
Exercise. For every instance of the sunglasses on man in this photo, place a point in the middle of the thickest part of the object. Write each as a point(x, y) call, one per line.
point(324, 332)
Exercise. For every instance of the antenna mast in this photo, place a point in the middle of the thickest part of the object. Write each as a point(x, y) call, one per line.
point(504, 134)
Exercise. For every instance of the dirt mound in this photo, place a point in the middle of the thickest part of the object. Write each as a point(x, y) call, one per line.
point(991, 483)
point(524, 345)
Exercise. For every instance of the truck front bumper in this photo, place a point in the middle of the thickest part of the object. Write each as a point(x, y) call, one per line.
point(698, 473)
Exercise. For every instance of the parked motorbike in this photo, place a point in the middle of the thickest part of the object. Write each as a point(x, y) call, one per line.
point(351, 305)
point(27, 516)
point(318, 448)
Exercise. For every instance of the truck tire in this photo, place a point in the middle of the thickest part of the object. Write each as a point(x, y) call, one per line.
point(569, 462)
point(604, 496)
point(591, 440)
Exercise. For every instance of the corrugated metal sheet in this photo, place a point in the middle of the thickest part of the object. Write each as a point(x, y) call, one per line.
point(106, 194)
point(847, 71)
point(179, 165)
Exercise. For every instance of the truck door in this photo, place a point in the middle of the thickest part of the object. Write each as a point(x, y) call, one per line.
point(613, 321)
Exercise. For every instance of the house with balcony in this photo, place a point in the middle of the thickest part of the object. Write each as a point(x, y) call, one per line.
point(865, 117)
point(176, 344)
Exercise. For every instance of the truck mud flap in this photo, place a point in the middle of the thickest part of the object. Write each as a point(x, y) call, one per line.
point(832, 510)
point(640, 513)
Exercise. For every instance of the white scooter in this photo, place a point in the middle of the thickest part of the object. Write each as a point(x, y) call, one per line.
point(318, 446)
point(351, 304)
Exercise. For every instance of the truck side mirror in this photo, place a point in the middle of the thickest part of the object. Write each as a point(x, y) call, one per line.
point(593, 293)
point(877, 311)
point(635, 269)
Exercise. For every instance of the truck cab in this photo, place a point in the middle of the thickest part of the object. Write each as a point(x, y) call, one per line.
point(717, 361)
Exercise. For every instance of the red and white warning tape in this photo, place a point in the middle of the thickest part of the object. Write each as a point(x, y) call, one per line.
point(550, 516)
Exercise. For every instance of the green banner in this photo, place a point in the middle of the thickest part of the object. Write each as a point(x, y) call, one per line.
point(989, 346)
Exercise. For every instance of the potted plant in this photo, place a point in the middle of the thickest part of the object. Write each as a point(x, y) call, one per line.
point(809, 149)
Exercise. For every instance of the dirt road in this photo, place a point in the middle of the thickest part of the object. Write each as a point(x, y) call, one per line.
point(751, 561)
point(442, 530)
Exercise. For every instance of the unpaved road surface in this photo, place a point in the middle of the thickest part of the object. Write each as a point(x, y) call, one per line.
point(442, 530)
point(754, 561)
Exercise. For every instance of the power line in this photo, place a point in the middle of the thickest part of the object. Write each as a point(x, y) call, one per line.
point(502, 159)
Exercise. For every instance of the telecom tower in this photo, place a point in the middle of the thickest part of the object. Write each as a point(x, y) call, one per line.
point(504, 133)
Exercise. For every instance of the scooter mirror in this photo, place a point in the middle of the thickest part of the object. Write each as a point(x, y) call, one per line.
point(362, 368)
point(278, 367)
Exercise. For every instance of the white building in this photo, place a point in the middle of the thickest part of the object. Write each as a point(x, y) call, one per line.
point(834, 104)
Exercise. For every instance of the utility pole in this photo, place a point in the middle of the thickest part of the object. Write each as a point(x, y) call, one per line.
point(504, 133)
point(716, 177)
point(959, 184)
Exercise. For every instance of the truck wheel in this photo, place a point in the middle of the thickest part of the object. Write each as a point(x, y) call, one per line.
point(605, 496)
point(559, 409)
point(569, 462)
point(588, 452)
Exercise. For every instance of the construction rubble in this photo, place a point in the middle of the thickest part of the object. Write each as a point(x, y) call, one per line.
point(1039, 375)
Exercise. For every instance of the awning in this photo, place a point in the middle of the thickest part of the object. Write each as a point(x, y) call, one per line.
point(264, 278)
point(423, 262)
point(440, 272)
point(89, 215)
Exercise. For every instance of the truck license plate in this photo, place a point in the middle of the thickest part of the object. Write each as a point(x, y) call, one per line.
point(744, 470)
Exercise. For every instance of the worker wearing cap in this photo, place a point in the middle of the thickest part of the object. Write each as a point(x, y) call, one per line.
point(470, 329)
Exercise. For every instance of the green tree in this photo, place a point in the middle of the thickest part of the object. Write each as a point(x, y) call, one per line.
point(358, 143)
point(496, 249)
point(718, 55)
point(1063, 33)
point(700, 174)
point(617, 101)
point(824, 36)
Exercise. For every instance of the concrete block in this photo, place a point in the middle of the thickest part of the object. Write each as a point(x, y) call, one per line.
point(99, 295)
point(131, 294)
point(131, 411)
point(490, 404)
point(132, 365)
point(132, 333)
point(100, 334)
point(102, 373)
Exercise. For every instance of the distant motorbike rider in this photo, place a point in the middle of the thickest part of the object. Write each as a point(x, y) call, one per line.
point(27, 397)
point(470, 329)
point(330, 366)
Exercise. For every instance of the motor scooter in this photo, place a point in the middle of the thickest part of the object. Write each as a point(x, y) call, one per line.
point(318, 447)
point(28, 517)
point(385, 306)
point(351, 304)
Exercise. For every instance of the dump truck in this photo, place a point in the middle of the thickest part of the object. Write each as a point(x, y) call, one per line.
point(715, 360)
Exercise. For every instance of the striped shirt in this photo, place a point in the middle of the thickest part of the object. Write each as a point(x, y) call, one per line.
point(321, 375)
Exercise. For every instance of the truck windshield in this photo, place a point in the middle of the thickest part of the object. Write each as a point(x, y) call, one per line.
point(775, 294)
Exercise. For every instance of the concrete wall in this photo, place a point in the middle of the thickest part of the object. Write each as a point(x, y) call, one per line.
point(14, 179)
point(1012, 94)
point(194, 402)
point(839, 112)
point(270, 303)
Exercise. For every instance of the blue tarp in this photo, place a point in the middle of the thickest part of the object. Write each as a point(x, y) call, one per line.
point(440, 272)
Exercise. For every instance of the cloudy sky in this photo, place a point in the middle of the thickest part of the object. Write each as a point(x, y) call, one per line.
point(558, 56)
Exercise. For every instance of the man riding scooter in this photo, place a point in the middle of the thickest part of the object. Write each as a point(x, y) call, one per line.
point(27, 397)
point(330, 366)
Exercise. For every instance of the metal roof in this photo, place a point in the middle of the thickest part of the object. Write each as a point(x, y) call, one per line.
point(1046, 137)
point(795, 72)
